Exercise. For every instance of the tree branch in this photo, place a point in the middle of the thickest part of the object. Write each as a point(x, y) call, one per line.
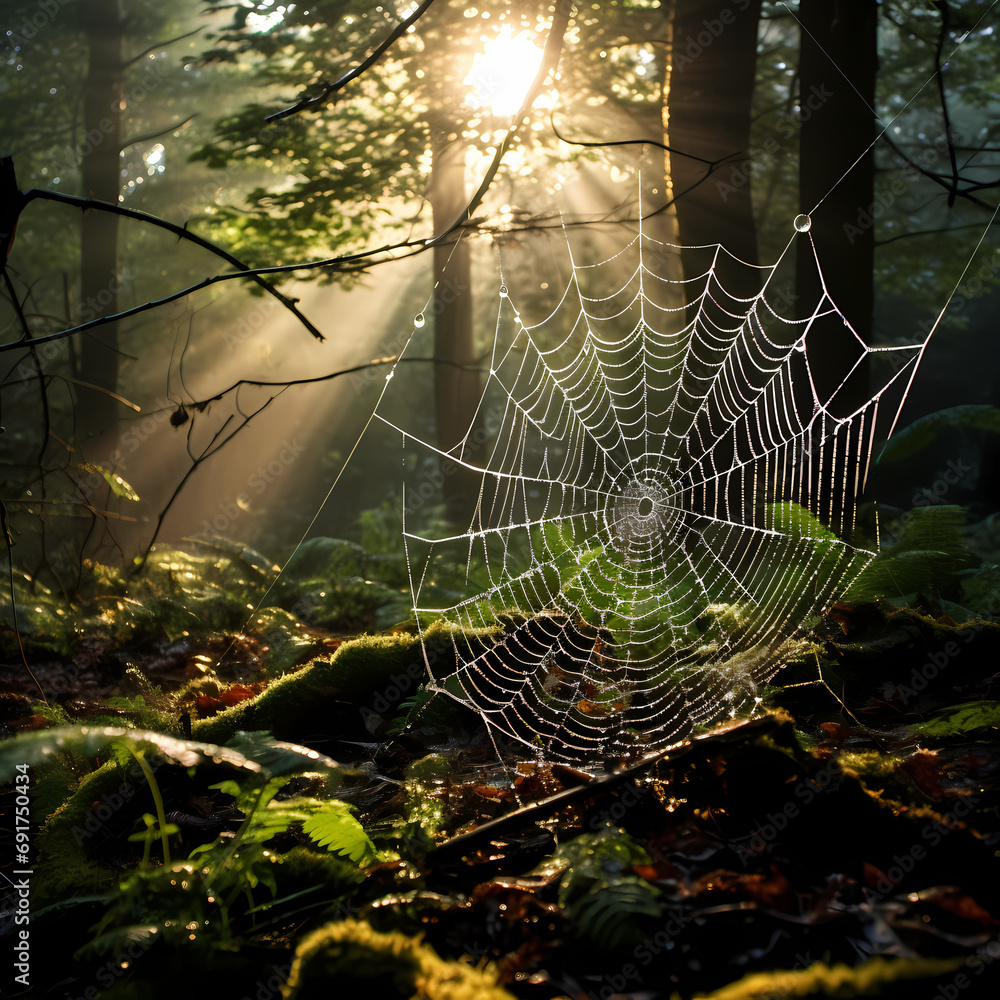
point(156, 135)
point(712, 164)
point(942, 6)
point(950, 186)
point(180, 231)
point(315, 103)
point(160, 45)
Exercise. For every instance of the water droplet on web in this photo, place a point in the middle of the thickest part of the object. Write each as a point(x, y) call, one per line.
point(418, 320)
point(802, 223)
point(503, 291)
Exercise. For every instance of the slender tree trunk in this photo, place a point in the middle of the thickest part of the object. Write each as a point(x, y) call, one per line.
point(456, 381)
point(663, 225)
point(712, 79)
point(99, 277)
point(837, 67)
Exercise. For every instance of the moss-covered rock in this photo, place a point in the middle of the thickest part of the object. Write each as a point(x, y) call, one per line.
point(63, 841)
point(877, 977)
point(349, 958)
point(971, 720)
point(367, 670)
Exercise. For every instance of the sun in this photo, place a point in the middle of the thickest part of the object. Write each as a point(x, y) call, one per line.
point(503, 71)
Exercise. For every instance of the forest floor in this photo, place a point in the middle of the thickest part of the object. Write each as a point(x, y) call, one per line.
point(842, 842)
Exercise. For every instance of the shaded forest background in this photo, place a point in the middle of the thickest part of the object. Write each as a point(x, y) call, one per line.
point(148, 396)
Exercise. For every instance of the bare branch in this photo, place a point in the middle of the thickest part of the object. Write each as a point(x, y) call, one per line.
point(315, 103)
point(942, 6)
point(713, 164)
point(157, 134)
point(949, 185)
point(160, 45)
point(85, 204)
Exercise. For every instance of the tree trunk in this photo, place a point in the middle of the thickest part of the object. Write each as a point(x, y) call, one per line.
point(712, 79)
point(99, 277)
point(837, 66)
point(456, 381)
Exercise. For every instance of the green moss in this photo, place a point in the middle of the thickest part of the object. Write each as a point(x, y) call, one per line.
point(358, 670)
point(65, 868)
point(869, 979)
point(352, 959)
point(284, 638)
point(435, 766)
point(979, 718)
point(423, 809)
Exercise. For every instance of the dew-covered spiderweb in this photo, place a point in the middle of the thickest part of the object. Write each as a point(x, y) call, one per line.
point(667, 479)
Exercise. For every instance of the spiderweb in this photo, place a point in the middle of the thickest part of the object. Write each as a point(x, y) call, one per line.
point(667, 488)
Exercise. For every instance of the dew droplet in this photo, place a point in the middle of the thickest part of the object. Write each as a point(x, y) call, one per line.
point(503, 290)
point(418, 320)
point(802, 223)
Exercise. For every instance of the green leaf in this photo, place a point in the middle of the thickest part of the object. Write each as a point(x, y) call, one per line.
point(937, 528)
point(277, 757)
point(267, 819)
point(901, 575)
point(607, 914)
point(795, 520)
point(118, 485)
point(337, 830)
point(921, 553)
point(924, 432)
point(41, 746)
point(962, 721)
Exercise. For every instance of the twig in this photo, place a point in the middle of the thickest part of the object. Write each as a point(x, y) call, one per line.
point(85, 204)
point(157, 134)
point(460, 845)
point(160, 45)
point(314, 103)
point(8, 538)
point(942, 6)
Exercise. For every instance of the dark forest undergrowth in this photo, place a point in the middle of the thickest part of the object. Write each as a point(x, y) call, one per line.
point(261, 806)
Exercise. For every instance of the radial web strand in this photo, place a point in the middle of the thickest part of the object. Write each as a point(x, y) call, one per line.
point(668, 480)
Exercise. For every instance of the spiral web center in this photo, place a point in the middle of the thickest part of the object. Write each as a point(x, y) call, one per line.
point(642, 516)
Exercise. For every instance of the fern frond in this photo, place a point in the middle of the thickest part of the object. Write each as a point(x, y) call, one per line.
point(607, 913)
point(337, 830)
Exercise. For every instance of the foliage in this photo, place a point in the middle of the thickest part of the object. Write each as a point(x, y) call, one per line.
point(189, 594)
point(968, 721)
point(327, 822)
point(669, 849)
point(37, 747)
point(924, 552)
point(924, 433)
point(346, 170)
point(605, 898)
